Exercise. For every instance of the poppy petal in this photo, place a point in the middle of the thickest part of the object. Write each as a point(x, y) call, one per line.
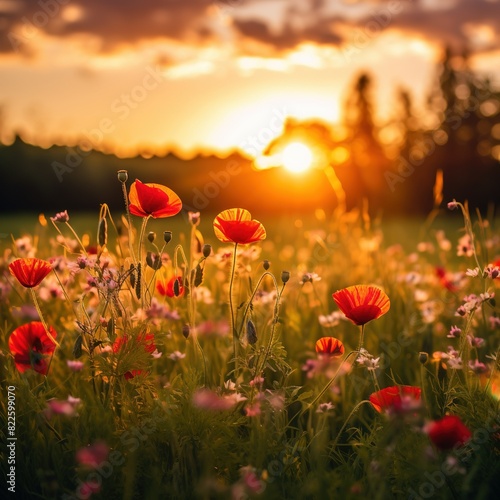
point(329, 346)
point(389, 399)
point(153, 200)
point(362, 303)
point(30, 345)
point(30, 272)
point(236, 226)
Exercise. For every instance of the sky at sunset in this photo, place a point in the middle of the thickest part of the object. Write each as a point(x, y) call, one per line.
point(218, 74)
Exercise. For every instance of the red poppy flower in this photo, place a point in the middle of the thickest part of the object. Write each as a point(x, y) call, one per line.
point(329, 346)
point(168, 287)
point(397, 398)
point(448, 432)
point(30, 346)
point(30, 271)
point(145, 341)
point(362, 303)
point(153, 200)
point(444, 279)
point(236, 226)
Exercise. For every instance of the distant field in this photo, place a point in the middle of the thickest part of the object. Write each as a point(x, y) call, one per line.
point(280, 229)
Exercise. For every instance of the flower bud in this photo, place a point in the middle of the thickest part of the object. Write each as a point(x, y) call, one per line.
point(167, 236)
point(266, 265)
point(151, 236)
point(285, 276)
point(177, 288)
point(207, 250)
point(251, 332)
point(423, 357)
point(122, 176)
point(153, 260)
point(198, 275)
point(102, 232)
point(194, 218)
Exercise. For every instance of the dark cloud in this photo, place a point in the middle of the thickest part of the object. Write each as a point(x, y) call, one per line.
point(450, 26)
point(117, 22)
point(113, 21)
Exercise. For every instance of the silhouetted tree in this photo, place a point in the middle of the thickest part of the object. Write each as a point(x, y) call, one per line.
point(363, 175)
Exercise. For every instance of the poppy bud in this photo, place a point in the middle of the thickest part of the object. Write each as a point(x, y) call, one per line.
point(194, 218)
point(177, 288)
point(285, 276)
point(266, 265)
point(207, 250)
point(122, 176)
point(153, 261)
point(423, 357)
point(102, 232)
point(198, 275)
point(251, 332)
point(167, 236)
point(185, 331)
point(151, 236)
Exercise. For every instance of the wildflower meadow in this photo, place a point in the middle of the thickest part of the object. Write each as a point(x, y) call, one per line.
point(239, 358)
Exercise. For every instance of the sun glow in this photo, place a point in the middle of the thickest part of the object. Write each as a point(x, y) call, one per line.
point(296, 157)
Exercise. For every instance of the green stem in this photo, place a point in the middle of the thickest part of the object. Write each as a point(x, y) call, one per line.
point(231, 309)
point(247, 307)
point(129, 221)
point(353, 411)
point(361, 338)
point(76, 236)
point(329, 383)
point(271, 337)
point(42, 320)
point(140, 244)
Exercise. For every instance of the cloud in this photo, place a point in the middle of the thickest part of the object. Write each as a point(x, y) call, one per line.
point(116, 23)
point(471, 24)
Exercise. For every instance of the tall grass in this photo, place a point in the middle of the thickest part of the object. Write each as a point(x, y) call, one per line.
point(186, 424)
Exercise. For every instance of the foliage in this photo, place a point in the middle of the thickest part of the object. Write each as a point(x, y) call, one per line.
point(218, 392)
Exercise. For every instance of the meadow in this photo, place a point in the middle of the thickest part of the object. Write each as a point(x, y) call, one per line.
point(148, 353)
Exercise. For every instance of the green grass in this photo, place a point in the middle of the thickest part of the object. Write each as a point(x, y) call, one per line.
point(164, 443)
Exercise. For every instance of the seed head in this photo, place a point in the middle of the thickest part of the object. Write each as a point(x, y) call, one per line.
point(122, 176)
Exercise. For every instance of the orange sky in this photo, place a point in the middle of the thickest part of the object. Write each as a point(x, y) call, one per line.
point(217, 74)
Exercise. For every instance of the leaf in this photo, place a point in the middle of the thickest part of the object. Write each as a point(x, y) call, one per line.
point(305, 395)
point(111, 328)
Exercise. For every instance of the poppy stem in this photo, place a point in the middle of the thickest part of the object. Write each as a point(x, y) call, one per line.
point(273, 330)
point(129, 222)
point(141, 238)
point(42, 320)
point(76, 237)
point(329, 383)
point(247, 307)
point(361, 338)
point(231, 309)
point(353, 411)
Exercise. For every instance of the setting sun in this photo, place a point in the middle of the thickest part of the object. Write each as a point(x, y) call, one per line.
point(297, 157)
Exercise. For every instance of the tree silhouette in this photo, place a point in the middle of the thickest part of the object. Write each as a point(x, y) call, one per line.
point(363, 175)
